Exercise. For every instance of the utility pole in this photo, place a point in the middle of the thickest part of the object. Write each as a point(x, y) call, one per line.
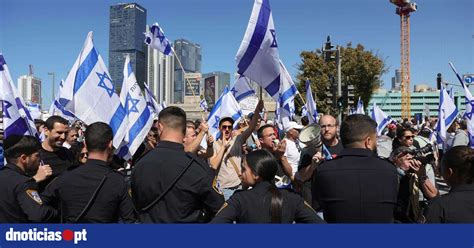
point(339, 86)
point(54, 82)
point(328, 51)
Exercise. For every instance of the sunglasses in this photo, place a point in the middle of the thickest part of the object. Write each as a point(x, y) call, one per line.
point(409, 137)
point(84, 154)
point(226, 127)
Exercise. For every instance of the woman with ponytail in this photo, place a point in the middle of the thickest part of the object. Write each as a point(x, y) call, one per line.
point(458, 205)
point(264, 203)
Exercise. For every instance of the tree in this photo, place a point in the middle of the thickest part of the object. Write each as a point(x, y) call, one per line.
point(359, 67)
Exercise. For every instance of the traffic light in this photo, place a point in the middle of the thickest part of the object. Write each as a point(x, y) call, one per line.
point(439, 79)
point(327, 53)
point(340, 102)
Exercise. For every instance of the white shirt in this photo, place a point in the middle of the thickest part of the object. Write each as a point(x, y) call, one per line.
point(292, 154)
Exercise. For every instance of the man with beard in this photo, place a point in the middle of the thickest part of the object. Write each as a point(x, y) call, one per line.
point(52, 151)
point(329, 138)
point(356, 186)
point(19, 198)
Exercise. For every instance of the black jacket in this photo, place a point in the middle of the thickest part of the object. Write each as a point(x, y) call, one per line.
point(253, 206)
point(75, 188)
point(356, 187)
point(19, 198)
point(194, 194)
point(455, 207)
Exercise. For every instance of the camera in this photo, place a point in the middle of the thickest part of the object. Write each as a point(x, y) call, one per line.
point(424, 154)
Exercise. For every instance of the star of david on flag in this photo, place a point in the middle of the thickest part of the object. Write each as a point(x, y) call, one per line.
point(110, 90)
point(88, 92)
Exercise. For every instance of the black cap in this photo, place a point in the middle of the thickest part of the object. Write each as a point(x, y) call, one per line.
point(11, 140)
point(226, 119)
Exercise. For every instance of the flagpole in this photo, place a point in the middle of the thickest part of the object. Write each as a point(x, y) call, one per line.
point(187, 81)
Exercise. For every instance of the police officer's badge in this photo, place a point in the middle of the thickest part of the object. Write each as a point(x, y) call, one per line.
point(33, 194)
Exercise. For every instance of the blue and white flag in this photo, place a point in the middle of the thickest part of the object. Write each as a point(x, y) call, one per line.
point(203, 105)
point(163, 105)
point(304, 111)
point(381, 118)
point(287, 90)
point(311, 104)
point(156, 39)
point(16, 117)
point(469, 113)
point(360, 107)
point(226, 106)
point(138, 118)
point(89, 92)
point(242, 89)
point(58, 106)
point(447, 113)
point(35, 110)
point(257, 57)
point(153, 105)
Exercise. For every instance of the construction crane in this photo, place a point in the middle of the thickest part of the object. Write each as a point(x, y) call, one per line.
point(404, 8)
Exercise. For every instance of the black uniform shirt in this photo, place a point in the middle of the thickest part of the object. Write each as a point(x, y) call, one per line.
point(19, 198)
point(253, 206)
point(59, 160)
point(75, 188)
point(455, 207)
point(356, 187)
point(195, 190)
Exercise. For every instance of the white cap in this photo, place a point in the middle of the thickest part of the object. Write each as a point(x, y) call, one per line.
point(293, 125)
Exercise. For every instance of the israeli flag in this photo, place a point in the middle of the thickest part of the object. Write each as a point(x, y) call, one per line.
point(151, 101)
point(283, 115)
point(156, 39)
point(287, 90)
point(138, 118)
point(304, 111)
point(203, 105)
point(360, 107)
point(242, 89)
point(16, 117)
point(58, 105)
point(311, 104)
point(257, 57)
point(447, 113)
point(163, 105)
point(381, 118)
point(35, 110)
point(469, 113)
point(226, 106)
point(89, 92)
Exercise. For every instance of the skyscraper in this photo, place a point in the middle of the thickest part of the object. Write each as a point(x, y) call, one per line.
point(160, 75)
point(189, 54)
point(29, 88)
point(127, 25)
point(397, 80)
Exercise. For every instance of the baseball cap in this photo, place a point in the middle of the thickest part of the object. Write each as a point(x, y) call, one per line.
point(293, 125)
point(226, 119)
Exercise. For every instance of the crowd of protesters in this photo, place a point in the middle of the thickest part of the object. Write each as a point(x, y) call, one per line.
point(254, 171)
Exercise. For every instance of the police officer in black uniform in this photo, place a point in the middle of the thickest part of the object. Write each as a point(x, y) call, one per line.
point(169, 185)
point(264, 203)
point(19, 198)
point(458, 205)
point(356, 186)
point(93, 192)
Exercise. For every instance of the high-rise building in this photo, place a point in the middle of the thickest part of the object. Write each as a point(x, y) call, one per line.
point(127, 25)
point(189, 54)
point(214, 84)
point(160, 75)
point(29, 88)
point(397, 80)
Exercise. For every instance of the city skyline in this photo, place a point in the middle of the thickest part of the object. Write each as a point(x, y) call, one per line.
point(441, 31)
